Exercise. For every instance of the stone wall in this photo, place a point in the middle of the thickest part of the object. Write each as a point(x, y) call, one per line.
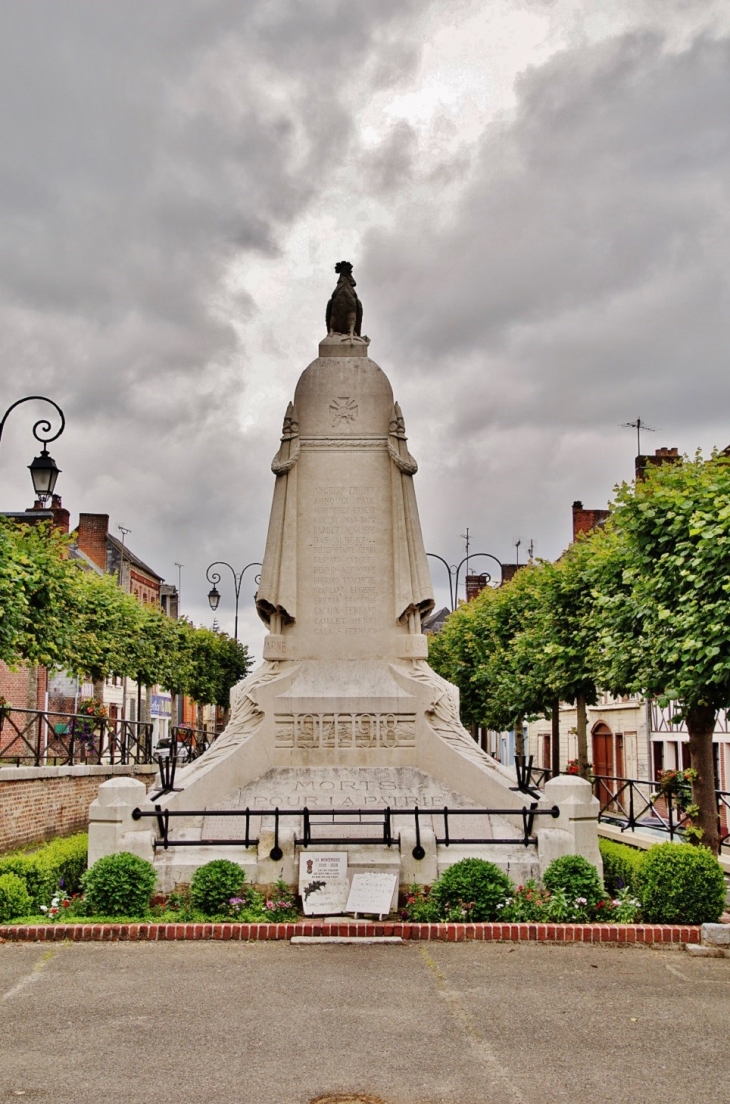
point(37, 803)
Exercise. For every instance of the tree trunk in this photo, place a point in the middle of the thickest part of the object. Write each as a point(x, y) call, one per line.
point(519, 736)
point(555, 740)
point(581, 727)
point(98, 690)
point(701, 726)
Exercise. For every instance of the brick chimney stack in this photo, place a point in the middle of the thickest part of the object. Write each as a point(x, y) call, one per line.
point(586, 520)
point(661, 456)
point(93, 530)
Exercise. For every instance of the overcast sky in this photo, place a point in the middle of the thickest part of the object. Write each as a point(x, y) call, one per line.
point(534, 194)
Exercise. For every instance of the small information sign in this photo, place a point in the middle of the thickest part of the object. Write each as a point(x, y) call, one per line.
point(323, 884)
point(371, 893)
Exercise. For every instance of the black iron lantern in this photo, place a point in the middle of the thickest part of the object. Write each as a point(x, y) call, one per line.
point(44, 472)
point(214, 597)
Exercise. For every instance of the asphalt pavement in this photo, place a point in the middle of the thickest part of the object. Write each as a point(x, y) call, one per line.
point(272, 1023)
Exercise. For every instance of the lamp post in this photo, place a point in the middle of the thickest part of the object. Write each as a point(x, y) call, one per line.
point(44, 470)
point(454, 571)
point(213, 577)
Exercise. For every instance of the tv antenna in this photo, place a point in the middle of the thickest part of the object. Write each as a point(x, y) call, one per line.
point(638, 425)
point(179, 567)
point(125, 533)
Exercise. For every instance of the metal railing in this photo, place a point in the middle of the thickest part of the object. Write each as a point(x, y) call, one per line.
point(631, 803)
point(311, 819)
point(39, 738)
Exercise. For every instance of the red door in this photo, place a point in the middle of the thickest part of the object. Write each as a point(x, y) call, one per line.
point(603, 762)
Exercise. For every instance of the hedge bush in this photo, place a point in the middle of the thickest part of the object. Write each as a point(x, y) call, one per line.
point(119, 885)
point(472, 889)
point(578, 879)
point(681, 884)
point(15, 900)
point(58, 864)
point(214, 885)
point(621, 866)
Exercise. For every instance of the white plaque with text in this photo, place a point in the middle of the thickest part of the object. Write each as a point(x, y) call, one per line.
point(371, 893)
point(323, 884)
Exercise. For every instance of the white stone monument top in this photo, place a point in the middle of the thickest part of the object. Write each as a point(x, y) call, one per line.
point(345, 574)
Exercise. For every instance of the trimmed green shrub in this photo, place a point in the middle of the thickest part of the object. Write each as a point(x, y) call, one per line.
point(214, 885)
point(14, 898)
point(119, 885)
point(681, 884)
point(621, 866)
point(471, 889)
point(57, 864)
point(578, 879)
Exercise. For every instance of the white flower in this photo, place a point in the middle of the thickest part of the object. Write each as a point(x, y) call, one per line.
point(44, 908)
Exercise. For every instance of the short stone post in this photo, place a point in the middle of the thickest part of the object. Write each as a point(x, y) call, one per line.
point(575, 831)
point(111, 828)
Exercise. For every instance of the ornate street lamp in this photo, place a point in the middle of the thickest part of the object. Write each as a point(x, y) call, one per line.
point(454, 571)
point(44, 470)
point(214, 596)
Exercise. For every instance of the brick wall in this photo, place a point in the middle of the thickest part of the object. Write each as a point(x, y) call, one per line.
point(37, 803)
point(24, 688)
point(92, 532)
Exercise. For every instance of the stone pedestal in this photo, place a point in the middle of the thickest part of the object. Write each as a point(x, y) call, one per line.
point(111, 827)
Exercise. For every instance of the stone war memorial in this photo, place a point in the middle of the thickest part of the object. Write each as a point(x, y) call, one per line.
point(344, 739)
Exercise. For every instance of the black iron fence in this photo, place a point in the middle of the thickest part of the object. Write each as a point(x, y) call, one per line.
point(318, 825)
point(631, 803)
point(39, 738)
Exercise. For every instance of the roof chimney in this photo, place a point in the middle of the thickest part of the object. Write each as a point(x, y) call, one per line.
point(93, 529)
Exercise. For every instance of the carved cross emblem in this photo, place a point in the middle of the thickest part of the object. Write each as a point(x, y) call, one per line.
point(343, 409)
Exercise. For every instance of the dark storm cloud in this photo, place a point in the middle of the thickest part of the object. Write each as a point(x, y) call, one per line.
point(588, 255)
point(579, 280)
point(532, 289)
point(146, 145)
point(144, 149)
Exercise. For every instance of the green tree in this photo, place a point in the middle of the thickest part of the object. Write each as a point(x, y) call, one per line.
point(664, 629)
point(517, 650)
point(104, 625)
point(476, 651)
point(213, 664)
point(36, 593)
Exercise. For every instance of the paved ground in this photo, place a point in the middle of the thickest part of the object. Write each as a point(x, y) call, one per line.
point(271, 1023)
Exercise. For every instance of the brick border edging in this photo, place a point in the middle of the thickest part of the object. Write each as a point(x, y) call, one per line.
point(451, 933)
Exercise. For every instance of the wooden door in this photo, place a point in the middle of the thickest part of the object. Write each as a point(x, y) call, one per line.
point(603, 762)
point(602, 750)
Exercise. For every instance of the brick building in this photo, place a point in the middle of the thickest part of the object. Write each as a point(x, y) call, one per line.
point(96, 549)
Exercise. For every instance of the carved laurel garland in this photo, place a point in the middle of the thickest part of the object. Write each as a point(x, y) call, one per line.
point(288, 453)
point(246, 717)
point(397, 446)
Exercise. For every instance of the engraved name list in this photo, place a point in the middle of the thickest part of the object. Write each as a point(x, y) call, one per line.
point(345, 559)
